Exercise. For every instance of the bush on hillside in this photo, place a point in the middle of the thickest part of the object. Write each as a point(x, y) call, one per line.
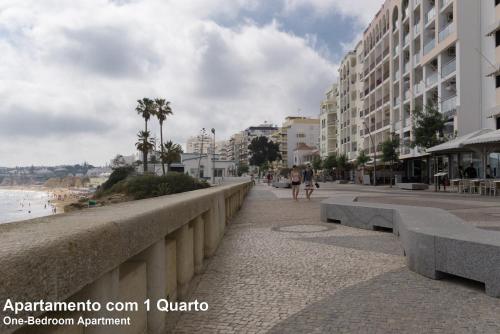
point(118, 174)
point(146, 186)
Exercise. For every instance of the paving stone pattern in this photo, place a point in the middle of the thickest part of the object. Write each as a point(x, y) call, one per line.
point(278, 270)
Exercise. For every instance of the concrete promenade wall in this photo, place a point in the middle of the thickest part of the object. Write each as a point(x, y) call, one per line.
point(128, 252)
point(434, 241)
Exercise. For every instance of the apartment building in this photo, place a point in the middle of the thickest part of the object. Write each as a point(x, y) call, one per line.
point(201, 144)
point(328, 121)
point(294, 131)
point(415, 54)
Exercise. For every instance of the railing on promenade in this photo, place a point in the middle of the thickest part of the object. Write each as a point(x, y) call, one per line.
point(134, 251)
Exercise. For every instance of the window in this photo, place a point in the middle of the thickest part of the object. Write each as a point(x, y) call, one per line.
point(497, 37)
point(498, 80)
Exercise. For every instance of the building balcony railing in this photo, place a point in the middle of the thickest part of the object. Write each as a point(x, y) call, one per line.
point(430, 15)
point(407, 94)
point(449, 68)
point(406, 67)
point(429, 46)
point(378, 59)
point(378, 103)
point(449, 105)
point(379, 125)
point(406, 39)
point(396, 50)
point(450, 28)
point(397, 125)
point(407, 122)
point(416, 58)
point(444, 3)
point(418, 88)
point(372, 128)
point(387, 98)
point(396, 75)
point(386, 52)
point(416, 29)
point(397, 101)
point(431, 79)
point(387, 121)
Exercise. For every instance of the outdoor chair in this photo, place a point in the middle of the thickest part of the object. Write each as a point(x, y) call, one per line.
point(493, 188)
point(485, 187)
point(464, 186)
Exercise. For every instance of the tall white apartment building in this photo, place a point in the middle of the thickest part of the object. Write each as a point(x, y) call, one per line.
point(328, 122)
point(296, 131)
point(419, 53)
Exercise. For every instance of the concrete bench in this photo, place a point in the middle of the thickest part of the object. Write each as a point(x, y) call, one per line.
point(281, 184)
point(434, 241)
point(412, 186)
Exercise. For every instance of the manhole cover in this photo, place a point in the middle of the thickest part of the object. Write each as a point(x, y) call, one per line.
point(303, 228)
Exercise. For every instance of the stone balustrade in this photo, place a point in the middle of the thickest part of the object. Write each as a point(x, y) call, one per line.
point(133, 251)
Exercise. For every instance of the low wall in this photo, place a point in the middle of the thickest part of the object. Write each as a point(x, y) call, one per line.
point(434, 241)
point(148, 249)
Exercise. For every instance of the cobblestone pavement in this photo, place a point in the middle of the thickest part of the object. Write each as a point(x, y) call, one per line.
point(280, 270)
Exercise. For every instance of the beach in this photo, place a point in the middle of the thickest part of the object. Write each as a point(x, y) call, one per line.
point(21, 203)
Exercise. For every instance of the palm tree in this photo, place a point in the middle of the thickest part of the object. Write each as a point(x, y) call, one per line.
point(162, 110)
point(146, 109)
point(144, 145)
point(361, 161)
point(171, 153)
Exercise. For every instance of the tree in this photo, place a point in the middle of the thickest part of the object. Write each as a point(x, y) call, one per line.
point(242, 169)
point(362, 159)
point(330, 162)
point(262, 150)
point(170, 153)
point(428, 126)
point(145, 108)
point(317, 163)
point(342, 163)
point(162, 110)
point(144, 145)
point(390, 152)
point(118, 161)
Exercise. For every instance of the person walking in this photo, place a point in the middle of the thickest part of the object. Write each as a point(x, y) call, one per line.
point(308, 176)
point(295, 179)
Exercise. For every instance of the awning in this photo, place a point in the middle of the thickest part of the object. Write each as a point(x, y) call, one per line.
point(494, 28)
point(491, 137)
point(457, 143)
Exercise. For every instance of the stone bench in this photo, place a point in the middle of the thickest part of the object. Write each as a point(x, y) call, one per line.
point(412, 186)
point(281, 184)
point(434, 241)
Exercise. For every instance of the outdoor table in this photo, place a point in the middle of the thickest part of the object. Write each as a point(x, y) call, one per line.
point(455, 183)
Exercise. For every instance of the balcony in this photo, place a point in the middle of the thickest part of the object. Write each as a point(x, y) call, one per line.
point(407, 94)
point(431, 14)
point(416, 3)
point(396, 50)
point(416, 29)
point(407, 122)
point(406, 39)
point(397, 101)
point(416, 58)
point(397, 126)
point(387, 121)
point(431, 79)
point(429, 46)
point(445, 3)
point(387, 98)
point(379, 125)
point(449, 68)
point(406, 67)
point(448, 106)
point(386, 52)
point(418, 88)
point(450, 28)
point(396, 75)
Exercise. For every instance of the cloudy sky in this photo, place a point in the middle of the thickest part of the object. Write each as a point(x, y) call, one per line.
point(72, 70)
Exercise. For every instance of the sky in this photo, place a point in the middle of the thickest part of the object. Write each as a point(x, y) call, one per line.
point(71, 72)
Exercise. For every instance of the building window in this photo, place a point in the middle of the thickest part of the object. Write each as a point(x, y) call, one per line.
point(498, 81)
point(497, 37)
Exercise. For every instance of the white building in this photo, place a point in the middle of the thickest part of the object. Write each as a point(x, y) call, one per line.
point(193, 161)
point(295, 131)
point(328, 122)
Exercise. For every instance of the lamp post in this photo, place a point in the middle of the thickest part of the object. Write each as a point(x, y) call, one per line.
point(213, 159)
point(374, 154)
point(203, 134)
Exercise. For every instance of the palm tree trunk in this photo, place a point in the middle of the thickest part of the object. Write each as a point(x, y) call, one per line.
point(145, 153)
point(161, 147)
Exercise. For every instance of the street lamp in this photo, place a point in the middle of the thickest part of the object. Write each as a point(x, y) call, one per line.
point(374, 154)
point(203, 134)
point(213, 159)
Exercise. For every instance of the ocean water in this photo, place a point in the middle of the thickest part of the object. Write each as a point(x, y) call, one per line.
point(23, 204)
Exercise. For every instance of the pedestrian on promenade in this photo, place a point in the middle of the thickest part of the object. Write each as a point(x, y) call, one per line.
point(308, 176)
point(269, 178)
point(295, 179)
point(252, 178)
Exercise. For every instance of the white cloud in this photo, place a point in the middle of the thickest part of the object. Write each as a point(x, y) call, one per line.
point(88, 61)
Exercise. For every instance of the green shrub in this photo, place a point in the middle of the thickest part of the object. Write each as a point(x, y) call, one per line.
point(146, 186)
point(118, 174)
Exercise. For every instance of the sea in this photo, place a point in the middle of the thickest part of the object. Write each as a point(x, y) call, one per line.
point(20, 204)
